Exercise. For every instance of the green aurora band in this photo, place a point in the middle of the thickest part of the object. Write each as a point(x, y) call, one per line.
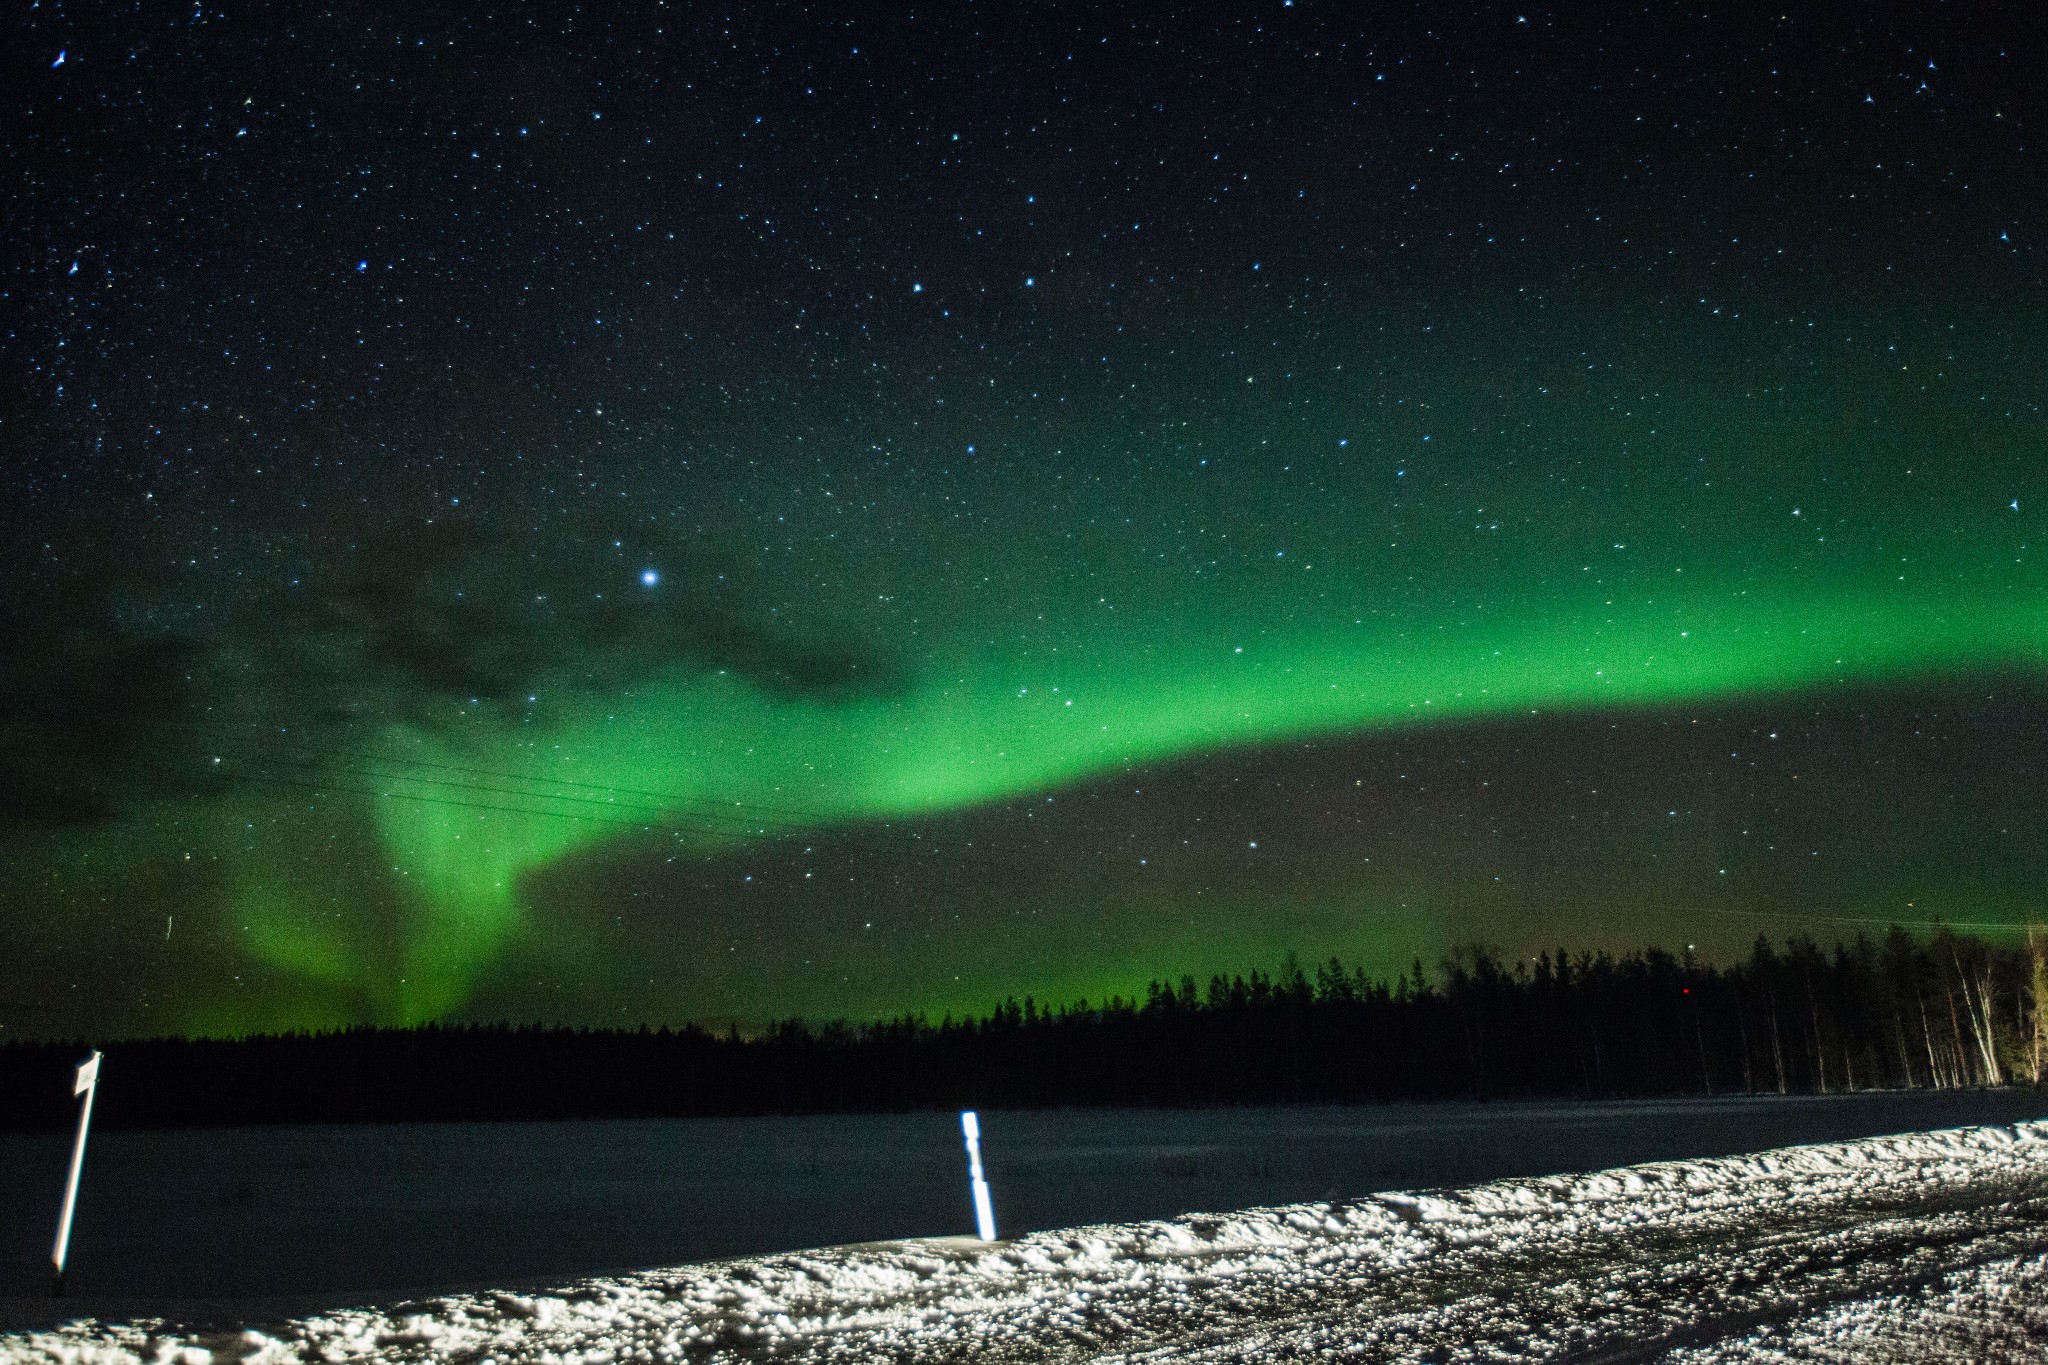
point(389, 884)
point(1119, 699)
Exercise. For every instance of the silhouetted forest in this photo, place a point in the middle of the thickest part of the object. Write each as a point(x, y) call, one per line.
point(1938, 1011)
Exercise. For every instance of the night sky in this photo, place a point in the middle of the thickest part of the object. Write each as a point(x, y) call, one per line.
point(642, 513)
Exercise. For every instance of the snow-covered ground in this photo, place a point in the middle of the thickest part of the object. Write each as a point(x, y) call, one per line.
point(290, 1221)
point(1922, 1247)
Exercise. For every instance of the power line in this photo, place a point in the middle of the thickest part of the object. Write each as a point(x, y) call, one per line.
point(343, 789)
point(678, 812)
point(658, 821)
point(487, 788)
point(1863, 919)
point(669, 799)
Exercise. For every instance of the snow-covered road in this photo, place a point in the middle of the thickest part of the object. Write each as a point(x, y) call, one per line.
point(1923, 1247)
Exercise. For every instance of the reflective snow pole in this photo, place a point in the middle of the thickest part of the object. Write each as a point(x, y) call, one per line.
point(87, 1084)
point(984, 1215)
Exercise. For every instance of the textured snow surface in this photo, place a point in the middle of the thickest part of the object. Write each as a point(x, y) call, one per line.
point(1923, 1247)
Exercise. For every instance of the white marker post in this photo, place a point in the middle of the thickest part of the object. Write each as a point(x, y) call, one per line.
point(984, 1214)
point(87, 1084)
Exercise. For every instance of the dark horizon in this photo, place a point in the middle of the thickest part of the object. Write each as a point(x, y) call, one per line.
point(1950, 1012)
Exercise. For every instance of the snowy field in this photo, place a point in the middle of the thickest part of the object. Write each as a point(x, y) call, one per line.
point(283, 1222)
point(1922, 1247)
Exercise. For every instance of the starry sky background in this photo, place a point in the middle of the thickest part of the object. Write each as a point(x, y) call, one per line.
point(648, 513)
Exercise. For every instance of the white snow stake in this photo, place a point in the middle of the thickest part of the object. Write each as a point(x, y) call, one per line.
point(984, 1214)
point(86, 1084)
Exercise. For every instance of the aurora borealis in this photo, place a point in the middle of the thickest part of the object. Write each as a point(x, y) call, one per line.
point(663, 515)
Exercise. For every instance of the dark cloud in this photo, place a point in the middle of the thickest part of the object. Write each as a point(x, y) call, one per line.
point(789, 667)
point(90, 710)
point(113, 695)
point(453, 615)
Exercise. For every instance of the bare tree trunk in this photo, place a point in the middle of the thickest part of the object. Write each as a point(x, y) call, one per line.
point(1742, 1027)
point(1820, 1060)
point(1777, 1044)
point(1988, 1037)
point(2038, 950)
point(1955, 1025)
point(1934, 1076)
point(1977, 1005)
point(2019, 1015)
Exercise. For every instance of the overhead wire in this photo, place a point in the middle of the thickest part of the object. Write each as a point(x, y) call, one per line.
point(1804, 917)
point(674, 810)
point(336, 788)
point(668, 799)
point(732, 827)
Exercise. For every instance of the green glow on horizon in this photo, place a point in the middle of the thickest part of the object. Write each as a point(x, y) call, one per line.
point(985, 730)
point(1035, 648)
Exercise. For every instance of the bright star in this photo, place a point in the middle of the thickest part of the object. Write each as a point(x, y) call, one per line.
point(649, 577)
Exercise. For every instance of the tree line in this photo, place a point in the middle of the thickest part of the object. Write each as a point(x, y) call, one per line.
point(1942, 1010)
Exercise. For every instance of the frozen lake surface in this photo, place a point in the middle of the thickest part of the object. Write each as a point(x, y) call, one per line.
point(239, 1224)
